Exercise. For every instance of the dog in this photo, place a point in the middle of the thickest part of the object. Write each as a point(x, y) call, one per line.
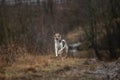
point(60, 45)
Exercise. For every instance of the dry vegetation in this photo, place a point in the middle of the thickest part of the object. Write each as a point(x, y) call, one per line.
point(25, 30)
point(49, 67)
point(39, 65)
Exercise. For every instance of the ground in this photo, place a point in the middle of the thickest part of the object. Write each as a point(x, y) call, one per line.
point(49, 67)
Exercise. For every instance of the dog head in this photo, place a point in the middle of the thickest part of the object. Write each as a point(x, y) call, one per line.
point(57, 36)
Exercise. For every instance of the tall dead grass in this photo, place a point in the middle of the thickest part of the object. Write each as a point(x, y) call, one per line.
point(15, 60)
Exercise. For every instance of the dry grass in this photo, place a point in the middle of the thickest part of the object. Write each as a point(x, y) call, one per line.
point(29, 64)
point(49, 67)
point(23, 64)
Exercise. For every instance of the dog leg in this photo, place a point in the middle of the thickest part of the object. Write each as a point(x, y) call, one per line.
point(56, 51)
point(66, 49)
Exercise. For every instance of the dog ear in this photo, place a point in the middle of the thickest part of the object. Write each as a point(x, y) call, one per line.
point(60, 34)
point(54, 35)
